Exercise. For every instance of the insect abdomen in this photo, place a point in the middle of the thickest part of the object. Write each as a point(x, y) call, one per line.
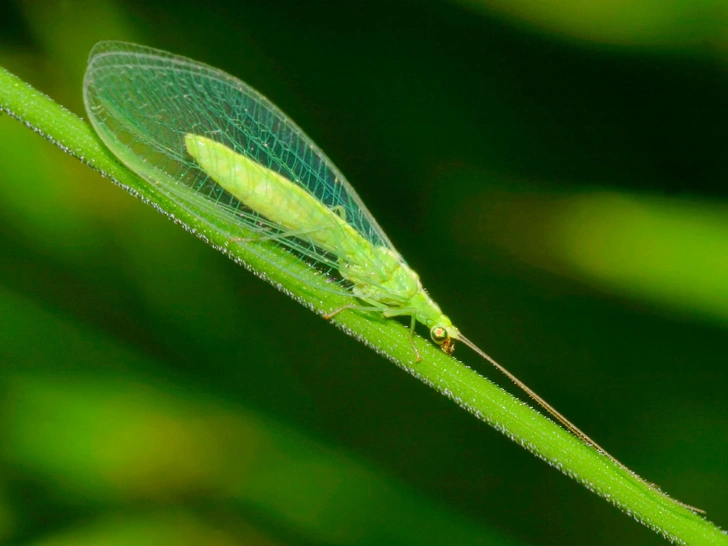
point(269, 194)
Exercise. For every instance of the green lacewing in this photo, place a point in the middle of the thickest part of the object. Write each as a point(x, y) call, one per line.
point(200, 135)
point(205, 138)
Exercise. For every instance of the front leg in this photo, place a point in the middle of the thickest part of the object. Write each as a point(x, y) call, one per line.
point(387, 312)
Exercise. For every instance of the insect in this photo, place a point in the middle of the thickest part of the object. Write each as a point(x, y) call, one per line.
point(208, 141)
point(201, 135)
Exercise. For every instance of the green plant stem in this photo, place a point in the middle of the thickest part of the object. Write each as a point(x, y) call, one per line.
point(476, 394)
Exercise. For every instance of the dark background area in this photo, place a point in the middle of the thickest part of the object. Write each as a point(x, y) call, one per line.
point(557, 178)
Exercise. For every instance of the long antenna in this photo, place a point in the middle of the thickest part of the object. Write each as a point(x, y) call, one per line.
point(571, 427)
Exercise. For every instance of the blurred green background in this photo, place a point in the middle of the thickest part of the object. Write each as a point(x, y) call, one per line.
point(556, 172)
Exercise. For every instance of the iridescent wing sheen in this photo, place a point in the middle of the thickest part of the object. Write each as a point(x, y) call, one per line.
point(142, 102)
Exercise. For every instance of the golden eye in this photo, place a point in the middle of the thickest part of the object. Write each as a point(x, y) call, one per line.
point(439, 335)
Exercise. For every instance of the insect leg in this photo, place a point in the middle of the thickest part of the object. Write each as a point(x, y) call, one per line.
point(372, 308)
point(340, 211)
point(412, 339)
point(402, 311)
point(387, 312)
point(332, 314)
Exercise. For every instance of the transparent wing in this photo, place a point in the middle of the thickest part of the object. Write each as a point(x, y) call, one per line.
point(142, 102)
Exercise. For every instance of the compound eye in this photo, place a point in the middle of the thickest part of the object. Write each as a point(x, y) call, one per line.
point(439, 335)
